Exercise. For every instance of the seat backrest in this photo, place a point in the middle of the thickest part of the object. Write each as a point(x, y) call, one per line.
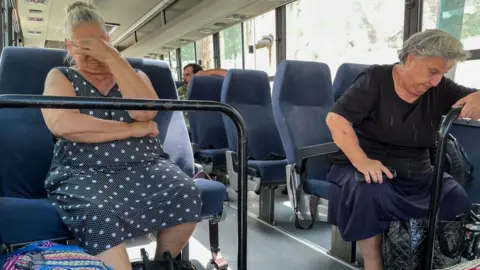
point(248, 91)
point(206, 128)
point(302, 96)
point(26, 149)
point(467, 137)
point(345, 77)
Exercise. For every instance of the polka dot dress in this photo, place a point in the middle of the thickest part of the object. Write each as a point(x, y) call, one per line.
point(109, 192)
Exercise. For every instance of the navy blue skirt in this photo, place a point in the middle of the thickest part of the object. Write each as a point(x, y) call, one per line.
point(361, 211)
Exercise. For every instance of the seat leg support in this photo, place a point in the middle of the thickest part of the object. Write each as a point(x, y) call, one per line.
point(267, 204)
point(185, 254)
point(217, 260)
point(341, 249)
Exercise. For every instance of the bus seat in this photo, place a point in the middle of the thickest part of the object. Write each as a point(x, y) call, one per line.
point(345, 77)
point(248, 91)
point(466, 134)
point(25, 157)
point(179, 84)
point(206, 128)
point(302, 96)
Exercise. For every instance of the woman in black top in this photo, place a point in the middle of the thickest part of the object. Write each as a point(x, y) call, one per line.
point(389, 118)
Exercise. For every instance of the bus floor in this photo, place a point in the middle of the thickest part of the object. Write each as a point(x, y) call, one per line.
point(268, 247)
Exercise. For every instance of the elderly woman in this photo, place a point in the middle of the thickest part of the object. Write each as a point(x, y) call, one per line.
point(109, 178)
point(389, 117)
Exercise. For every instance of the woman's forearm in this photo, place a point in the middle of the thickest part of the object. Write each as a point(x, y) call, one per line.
point(132, 85)
point(345, 138)
point(82, 128)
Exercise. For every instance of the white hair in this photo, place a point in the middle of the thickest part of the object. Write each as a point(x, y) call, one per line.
point(79, 13)
point(433, 42)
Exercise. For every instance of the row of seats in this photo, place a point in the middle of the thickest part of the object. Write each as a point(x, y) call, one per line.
point(278, 124)
point(26, 149)
point(303, 94)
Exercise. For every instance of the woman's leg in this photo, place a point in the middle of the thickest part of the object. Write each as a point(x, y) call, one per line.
point(360, 212)
point(116, 257)
point(371, 250)
point(173, 239)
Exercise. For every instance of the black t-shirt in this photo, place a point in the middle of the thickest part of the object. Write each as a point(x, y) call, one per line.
point(389, 128)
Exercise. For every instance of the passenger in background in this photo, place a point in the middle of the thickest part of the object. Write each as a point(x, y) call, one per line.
point(110, 179)
point(389, 117)
point(195, 69)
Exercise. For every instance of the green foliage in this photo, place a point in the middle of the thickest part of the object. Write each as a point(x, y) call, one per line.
point(188, 54)
point(471, 21)
point(232, 42)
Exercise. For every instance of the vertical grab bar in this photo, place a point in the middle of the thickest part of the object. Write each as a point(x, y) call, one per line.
point(437, 184)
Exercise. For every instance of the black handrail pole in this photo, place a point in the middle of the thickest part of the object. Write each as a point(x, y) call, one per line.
point(437, 183)
point(39, 101)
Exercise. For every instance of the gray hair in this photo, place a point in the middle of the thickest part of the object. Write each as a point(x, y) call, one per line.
point(79, 13)
point(433, 42)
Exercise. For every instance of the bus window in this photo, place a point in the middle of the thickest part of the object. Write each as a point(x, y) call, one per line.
point(231, 47)
point(336, 32)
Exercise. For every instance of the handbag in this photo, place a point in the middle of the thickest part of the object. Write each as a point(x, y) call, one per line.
point(45, 255)
point(404, 244)
point(457, 163)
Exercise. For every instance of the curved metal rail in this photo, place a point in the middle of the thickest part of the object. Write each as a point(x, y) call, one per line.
point(39, 101)
point(437, 184)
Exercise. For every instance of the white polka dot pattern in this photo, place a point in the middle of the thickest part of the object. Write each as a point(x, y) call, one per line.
point(107, 193)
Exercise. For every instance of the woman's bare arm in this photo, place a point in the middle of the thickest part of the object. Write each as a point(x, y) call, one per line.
point(213, 72)
point(345, 138)
point(133, 84)
point(74, 126)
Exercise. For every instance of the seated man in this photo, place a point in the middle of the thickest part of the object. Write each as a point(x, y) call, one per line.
point(389, 118)
point(195, 69)
point(110, 179)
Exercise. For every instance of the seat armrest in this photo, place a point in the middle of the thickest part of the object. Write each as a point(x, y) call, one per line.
point(307, 152)
point(197, 168)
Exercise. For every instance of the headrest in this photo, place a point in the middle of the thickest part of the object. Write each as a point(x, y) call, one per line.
point(159, 73)
point(205, 88)
point(206, 128)
point(248, 91)
point(246, 87)
point(23, 70)
point(346, 75)
point(35, 63)
point(311, 79)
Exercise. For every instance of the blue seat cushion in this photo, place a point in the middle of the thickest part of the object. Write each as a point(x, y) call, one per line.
point(217, 156)
point(27, 220)
point(317, 187)
point(215, 192)
point(270, 171)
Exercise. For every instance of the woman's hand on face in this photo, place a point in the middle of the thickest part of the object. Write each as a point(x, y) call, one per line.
point(94, 47)
point(144, 129)
point(372, 170)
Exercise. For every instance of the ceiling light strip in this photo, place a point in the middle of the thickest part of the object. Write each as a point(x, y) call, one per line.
point(147, 17)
